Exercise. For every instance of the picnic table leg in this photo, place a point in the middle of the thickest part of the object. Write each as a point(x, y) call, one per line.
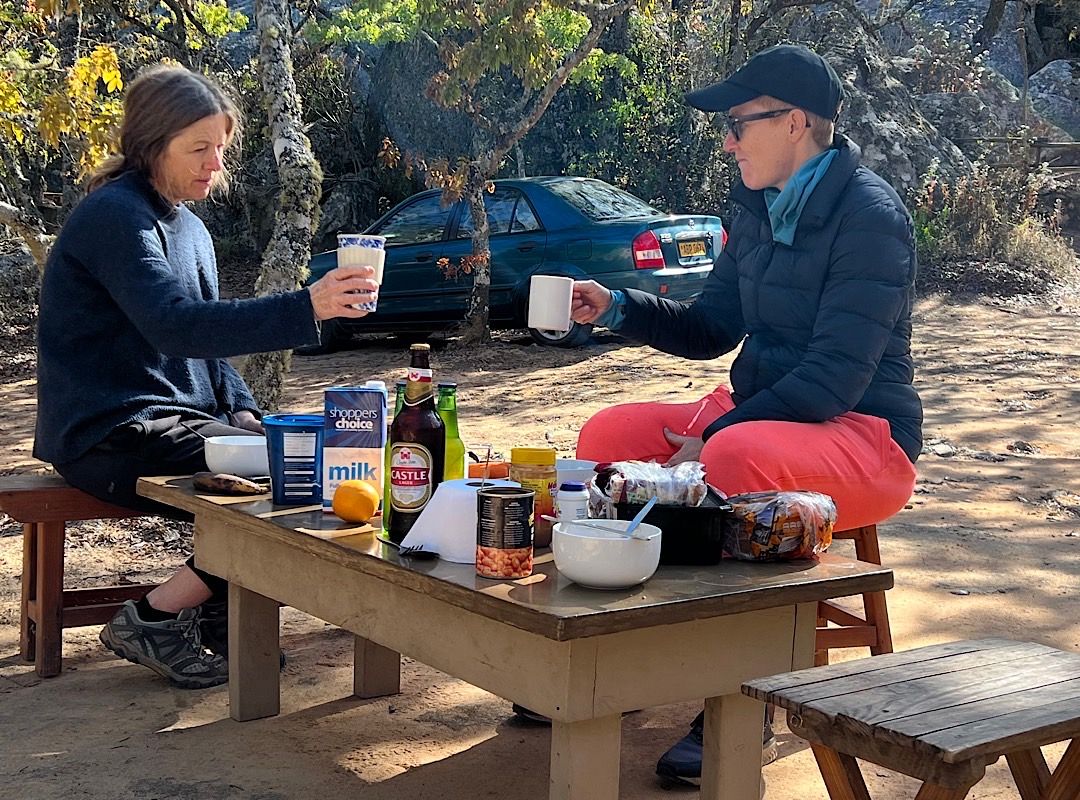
point(585, 759)
point(376, 669)
point(254, 655)
point(731, 753)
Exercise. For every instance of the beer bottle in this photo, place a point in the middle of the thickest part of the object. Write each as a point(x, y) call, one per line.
point(417, 448)
point(455, 448)
point(399, 400)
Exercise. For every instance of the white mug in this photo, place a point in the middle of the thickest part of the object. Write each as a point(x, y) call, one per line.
point(363, 250)
point(550, 299)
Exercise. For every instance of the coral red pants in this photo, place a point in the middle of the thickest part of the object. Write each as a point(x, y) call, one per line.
point(851, 458)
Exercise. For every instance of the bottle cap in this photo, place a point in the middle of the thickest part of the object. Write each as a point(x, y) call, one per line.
point(572, 486)
point(446, 385)
point(542, 456)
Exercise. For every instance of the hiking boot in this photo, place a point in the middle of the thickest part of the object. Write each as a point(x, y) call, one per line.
point(172, 648)
point(214, 627)
point(682, 763)
point(529, 715)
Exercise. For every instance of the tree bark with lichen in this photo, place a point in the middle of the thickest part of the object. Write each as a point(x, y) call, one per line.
point(285, 259)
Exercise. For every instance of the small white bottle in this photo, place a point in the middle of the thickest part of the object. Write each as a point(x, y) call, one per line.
point(572, 501)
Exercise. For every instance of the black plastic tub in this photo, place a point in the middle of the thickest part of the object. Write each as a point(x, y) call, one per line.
point(693, 535)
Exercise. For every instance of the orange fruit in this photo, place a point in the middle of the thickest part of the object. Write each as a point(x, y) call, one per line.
point(355, 501)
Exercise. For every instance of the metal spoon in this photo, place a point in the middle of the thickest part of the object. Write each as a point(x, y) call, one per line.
point(600, 526)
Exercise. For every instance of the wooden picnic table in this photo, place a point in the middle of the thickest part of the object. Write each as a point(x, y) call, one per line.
point(579, 656)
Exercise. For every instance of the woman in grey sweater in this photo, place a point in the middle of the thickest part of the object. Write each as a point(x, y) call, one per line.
point(133, 341)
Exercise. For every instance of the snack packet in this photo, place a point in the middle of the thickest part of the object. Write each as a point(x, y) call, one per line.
point(779, 526)
point(639, 481)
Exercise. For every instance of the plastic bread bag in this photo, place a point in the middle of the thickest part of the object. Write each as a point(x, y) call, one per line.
point(779, 526)
point(639, 481)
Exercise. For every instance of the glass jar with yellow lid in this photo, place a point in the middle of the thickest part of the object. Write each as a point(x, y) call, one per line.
point(534, 468)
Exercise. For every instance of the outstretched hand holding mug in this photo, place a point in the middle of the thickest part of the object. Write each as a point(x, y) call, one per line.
point(590, 301)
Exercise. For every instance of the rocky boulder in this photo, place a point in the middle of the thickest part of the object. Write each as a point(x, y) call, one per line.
point(398, 84)
point(961, 19)
point(880, 112)
point(1055, 94)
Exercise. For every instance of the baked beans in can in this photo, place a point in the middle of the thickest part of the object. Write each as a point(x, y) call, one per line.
point(504, 532)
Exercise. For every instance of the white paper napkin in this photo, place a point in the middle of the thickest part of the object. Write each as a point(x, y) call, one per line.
point(447, 525)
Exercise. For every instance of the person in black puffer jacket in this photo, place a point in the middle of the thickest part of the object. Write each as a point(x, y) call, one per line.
point(816, 284)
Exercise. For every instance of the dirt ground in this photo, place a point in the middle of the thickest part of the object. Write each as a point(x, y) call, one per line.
point(989, 546)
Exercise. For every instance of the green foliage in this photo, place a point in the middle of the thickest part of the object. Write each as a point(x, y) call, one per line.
point(633, 129)
point(375, 22)
point(983, 233)
point(61, 82)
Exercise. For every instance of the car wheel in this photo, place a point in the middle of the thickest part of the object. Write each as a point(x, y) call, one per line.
point(331, 339)
point(575, 337)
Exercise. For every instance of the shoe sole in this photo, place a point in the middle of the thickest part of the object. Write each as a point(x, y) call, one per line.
point(122, 649)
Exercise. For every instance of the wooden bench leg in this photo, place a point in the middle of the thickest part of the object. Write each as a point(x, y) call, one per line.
point(843, 779)
point(50, 599)
point(1065, 783)
point(1030, 772)
point(877, 612)
point(27, 626)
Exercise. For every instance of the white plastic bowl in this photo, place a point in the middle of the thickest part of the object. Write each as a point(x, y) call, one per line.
point(574, 469)
point(238, 455)
point(600, 559)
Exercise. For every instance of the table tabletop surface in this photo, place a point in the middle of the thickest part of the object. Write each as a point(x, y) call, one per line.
point(545, 602)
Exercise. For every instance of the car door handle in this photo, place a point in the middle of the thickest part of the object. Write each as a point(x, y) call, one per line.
point(424, 256)
point(525, 247)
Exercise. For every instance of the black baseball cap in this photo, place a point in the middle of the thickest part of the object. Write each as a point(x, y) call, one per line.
point(788, 72)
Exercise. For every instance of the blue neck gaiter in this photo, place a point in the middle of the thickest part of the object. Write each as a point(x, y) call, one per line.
point(785, 207)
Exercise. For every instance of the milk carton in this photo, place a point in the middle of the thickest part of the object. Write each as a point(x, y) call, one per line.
point(354, 437)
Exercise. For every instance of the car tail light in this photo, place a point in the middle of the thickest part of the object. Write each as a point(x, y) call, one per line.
point(647, 252)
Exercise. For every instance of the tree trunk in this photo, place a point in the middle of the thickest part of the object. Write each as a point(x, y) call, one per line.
point(991, 23)
point(284, 262)
point(485, 166)
point(475, 330)
point(735, 56)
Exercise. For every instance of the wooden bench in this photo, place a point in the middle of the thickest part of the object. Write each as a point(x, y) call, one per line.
point(837, 627)
point(44, 504)
point(940, 714)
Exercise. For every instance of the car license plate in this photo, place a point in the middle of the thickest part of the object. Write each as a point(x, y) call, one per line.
point(691, 249)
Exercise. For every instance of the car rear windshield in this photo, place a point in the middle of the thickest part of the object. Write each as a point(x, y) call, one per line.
point(599, 201)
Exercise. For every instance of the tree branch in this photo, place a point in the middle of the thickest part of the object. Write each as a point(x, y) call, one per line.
point(147, 29)
point(600, 17)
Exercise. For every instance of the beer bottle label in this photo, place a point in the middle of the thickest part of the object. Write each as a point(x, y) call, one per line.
point(410, 476)
point(418, 388)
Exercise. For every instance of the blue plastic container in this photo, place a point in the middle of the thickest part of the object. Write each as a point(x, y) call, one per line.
point(294, 444)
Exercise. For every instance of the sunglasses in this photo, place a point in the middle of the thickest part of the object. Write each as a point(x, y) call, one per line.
point(734, 124)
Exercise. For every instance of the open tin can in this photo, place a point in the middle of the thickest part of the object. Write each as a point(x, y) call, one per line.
point(504, 532)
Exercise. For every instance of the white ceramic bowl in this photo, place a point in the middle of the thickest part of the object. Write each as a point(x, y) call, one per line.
point(238, 455)
point(574, 469)
point(605, 560)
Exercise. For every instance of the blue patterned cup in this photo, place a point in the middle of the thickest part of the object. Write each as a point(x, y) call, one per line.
point(364, 250)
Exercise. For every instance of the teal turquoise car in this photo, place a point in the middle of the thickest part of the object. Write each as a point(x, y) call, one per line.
point(578, 227)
